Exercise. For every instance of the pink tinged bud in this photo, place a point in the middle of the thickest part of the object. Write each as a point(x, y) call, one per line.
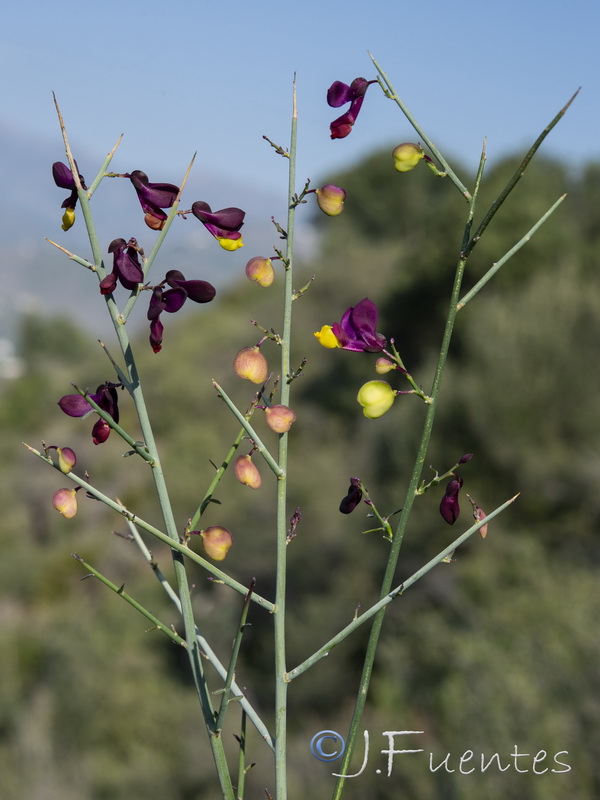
point(331, 199)
point(260, 270)
point(280, 418)
point(407, 156)
point(247, 472)
point(251, 365)
point(383, 366)
point(480, 514)
point(65, 502)
point(216, 542)
point(376, 397)
point(66, 459)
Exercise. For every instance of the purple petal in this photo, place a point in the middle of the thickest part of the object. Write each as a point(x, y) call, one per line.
point(153, 196)
point(219, 223)
point(353, 497)
point(128, 268)
point(449, 507)
point(75, 405)
point(198, 291)
point(338, 94)
point(342, 126)
point(100, 431)
point(108, 400)
point(358, 87)
point(156, 334)
point(156, 305)
point(108, 284)
point(63, 177)
point(174, 299)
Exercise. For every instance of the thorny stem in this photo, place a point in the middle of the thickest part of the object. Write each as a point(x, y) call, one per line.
point(183, 549)
point(393, 94)
point(282, 523)
point(393, 593)
point(411, 493)
point(135, 389)
point(202, 642)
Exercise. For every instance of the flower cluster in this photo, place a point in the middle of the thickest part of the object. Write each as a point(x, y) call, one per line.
point(172, 299)
point(127, 269)
point(153, 197)
point(340, 93)
point(357, 330)
point(224, 225)
point(63, 177)
point(75, 405)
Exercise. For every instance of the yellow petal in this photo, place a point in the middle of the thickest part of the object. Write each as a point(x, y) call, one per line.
point(230, 244)
point(326, 337)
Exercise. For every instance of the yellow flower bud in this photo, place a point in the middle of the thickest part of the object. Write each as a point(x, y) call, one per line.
point(251, 365)
point(216, 541)
point(383, 366)
point(326, 337)
point(331, 199)
point(68, 219)
point(407, 156)
point(376, 397)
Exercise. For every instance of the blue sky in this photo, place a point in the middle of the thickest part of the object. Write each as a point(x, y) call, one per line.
point(214, 77)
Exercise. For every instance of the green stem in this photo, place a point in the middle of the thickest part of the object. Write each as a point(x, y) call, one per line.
point(409, 500)
point(129, 599)
point(393, 593)
point(393, 94)
point(515, 178)
point(260, 446)
point(203, 643)
point(206, 500)
point(182, 549)
point(501, 262)
point(138, 447)
point(103, 168)
point(235, 651)
point(241, 784)
point(280, 587)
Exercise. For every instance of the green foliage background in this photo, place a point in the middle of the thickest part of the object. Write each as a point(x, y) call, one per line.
point(499, 648)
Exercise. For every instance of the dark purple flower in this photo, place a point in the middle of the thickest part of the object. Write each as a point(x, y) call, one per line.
point(340, 93)
point(75, 405)
point(353, 497)
point(153, 198)
point(63, 177)
point(449, 508)
point(126, 266)
point(224, 225)
point(358, 329)
point(172, 300)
